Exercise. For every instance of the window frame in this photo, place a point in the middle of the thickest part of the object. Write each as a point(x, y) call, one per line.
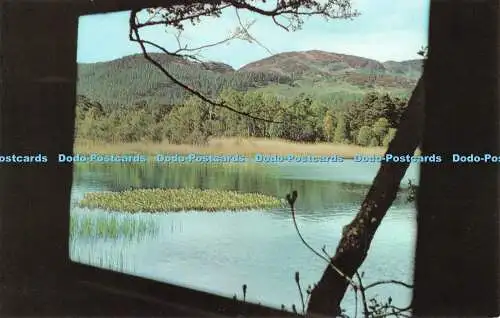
point(37, 108)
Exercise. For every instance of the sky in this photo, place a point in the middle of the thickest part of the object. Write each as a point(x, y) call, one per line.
point(386, 30)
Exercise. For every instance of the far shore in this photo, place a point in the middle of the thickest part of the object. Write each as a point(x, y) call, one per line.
point(226, 146)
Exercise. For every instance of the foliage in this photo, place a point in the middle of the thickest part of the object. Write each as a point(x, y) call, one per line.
point(365, 135)
point(388, 138)
point(132, 80)
point(329, 125)
point(302, 118)
point(424, 51)
point(168, 200)
point(381, 128)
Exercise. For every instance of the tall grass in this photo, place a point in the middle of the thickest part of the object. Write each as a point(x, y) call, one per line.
point(115, 257)
point(105, 239)
point(244, 146)
point(111, 226)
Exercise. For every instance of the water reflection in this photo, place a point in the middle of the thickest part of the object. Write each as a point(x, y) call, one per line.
point(218, 252)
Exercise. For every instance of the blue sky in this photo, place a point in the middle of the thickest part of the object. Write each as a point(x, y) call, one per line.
point(386, 30)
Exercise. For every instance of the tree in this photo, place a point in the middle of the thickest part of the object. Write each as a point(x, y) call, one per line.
point(341, 132)
point(380, 129)
point(389, 137)
point(329, 126)
point(364, 137)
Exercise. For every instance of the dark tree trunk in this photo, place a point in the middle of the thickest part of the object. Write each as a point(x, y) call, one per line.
point(357, 236)
point(457, 254)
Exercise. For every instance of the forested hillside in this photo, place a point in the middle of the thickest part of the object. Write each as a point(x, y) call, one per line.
point(326, 76)
point(133, 80)
point(317, 96)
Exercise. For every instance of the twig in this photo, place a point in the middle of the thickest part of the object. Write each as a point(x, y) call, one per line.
point(247, 33)
point(363, 294)
point(391, 281)
point(291, 201)
point(297, 280)
point(396, 311)
point(135, 31)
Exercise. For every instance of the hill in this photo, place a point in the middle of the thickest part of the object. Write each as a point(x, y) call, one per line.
point(327, 76)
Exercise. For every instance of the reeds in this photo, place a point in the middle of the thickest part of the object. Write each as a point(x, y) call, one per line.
point(229, 146)
point(111, 226)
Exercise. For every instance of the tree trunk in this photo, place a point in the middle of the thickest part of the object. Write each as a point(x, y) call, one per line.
point(357, 236)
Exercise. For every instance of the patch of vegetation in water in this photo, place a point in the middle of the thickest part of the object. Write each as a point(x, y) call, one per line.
point(111, 226)
point(169, 200)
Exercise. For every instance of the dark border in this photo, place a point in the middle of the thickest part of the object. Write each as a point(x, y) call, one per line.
point(457, 261)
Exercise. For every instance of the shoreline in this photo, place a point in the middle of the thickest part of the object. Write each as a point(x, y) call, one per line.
point(229, 146)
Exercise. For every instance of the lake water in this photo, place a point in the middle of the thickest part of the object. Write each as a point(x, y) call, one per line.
point(219, 252)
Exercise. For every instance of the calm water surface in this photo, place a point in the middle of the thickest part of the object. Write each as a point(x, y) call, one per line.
point(219, 252)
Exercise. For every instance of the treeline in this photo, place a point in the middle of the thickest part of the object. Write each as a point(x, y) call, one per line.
point(371, 121)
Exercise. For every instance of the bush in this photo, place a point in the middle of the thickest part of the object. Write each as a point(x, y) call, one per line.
point(388, 138)
point(374, 142)
point(364, 137)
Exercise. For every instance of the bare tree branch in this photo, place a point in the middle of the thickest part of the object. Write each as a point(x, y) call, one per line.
point(363, 294)
point(156, 11)
point(291, 200)
point(135, 37)
point(391, 281)
point(286, 28)
point(292, 9)
point(250, 38)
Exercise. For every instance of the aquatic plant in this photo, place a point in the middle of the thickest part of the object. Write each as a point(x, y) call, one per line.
point(110, 226)
point(114, 257)
point(168, 200)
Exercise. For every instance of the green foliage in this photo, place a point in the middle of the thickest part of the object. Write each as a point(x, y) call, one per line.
point(381, 128)
point(374, 142)
point(133, 79)
point(341, 131)
point(329, 125)
point(302, 119)
point(187, 123)
point(365, 135)
point(164, 200)
point(382, 112)
point(130, 100)
point(110, 226)
point(390, 135)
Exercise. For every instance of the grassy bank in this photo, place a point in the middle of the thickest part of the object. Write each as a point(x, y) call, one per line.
point(249, 146)
point(167, 200)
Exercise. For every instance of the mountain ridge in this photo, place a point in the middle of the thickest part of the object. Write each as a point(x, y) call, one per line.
point(132, 79)
point(318, 54)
